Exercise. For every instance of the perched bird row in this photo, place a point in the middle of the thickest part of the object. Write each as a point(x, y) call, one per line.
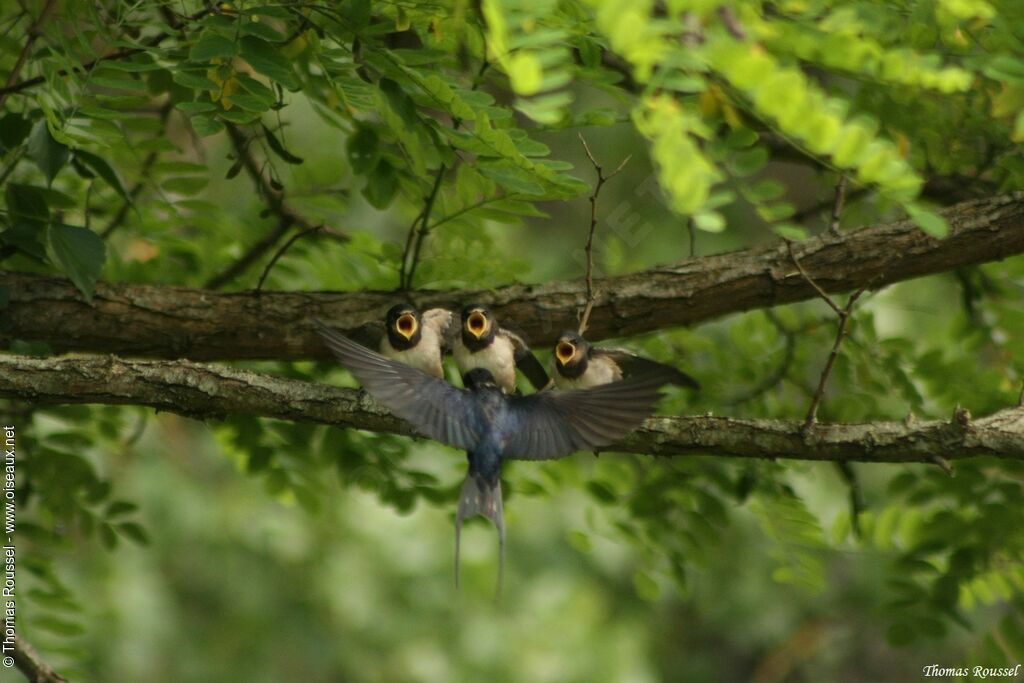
point(478, 341)
point(609, 392)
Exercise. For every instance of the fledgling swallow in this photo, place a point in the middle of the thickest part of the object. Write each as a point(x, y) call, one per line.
point(579, 365)
point(482, 343)
point(493, 426)
point(418, 340)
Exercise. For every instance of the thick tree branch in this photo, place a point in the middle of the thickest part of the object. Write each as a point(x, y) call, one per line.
point(209, 391)
point(174, 322)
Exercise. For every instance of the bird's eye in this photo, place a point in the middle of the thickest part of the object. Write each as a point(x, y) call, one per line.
point(565, 351)
point(406, 325)
point(477, 323)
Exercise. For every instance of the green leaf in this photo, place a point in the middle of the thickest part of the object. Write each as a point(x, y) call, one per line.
point(279, 149)
point(79, 253)
point(511, 177)
point(266, 59)
point(206, 125)
point(363, 148)
point(195, 80)
point(14, 128)
point(901, 634)
point(929, 221)
point(134, 532)
point(249, 103)
point(108, 537)
point(399, 101)
point(195, 107)
point(791, 231)
point(601, 491)
point(121, 507)
point(381, 185)
point(103, 170)
point(240, 116)
point(580, 541)
point(187, 185)
point(48, 154)
point(27, 203)
point(646, 587)
point(58, 625)
point(709, 221)
point(358, 12)
point(212, 46)
point(262, 31)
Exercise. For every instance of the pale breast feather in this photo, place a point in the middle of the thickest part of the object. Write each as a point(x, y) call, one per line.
point(424, 356)
point(497, 357)
point(600, 370)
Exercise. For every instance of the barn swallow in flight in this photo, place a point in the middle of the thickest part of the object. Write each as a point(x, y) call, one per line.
point(482, 343)
point(418, 340)
point(579, 365)
point(493, 426)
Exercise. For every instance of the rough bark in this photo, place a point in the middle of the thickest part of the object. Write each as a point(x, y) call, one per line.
point(32, 665)
point(174, 322)
point(205, 391)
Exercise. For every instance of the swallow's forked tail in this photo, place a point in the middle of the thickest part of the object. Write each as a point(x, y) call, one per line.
point(477, 497)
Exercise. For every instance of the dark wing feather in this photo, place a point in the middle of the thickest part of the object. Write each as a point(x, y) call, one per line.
point(632, 364)
point(434, 407)
point(526, 362)
point(552, 424)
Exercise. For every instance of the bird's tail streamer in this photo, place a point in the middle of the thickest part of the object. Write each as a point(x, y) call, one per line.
point(477, 497)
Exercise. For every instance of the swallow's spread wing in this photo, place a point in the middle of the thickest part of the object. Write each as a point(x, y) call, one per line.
point(434, 407)
point(526, 362)
point(632, 364)
point(551, 424)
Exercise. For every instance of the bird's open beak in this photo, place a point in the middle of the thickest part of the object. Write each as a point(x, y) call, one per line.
point(477, 324)
point(565, 352)
point(406, 325)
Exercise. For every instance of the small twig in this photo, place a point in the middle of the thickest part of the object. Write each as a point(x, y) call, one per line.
point(418, 232)
point(780, 372)
point(821, 292)
point(837, 205)
point(251, 255)
point(693, 237)
point(123, 53)
point(147, 165)
point(732, 22)
point(33, 35)
point(1020, 399)
point(87, 214)
point(589, 249)
point(826, 204)
point(275, 203)
point(857, 506)
point(846, 470)
point(943, 464)
point(280, 252)
point(421, 227)
point(844, 320)
point(32, 665)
